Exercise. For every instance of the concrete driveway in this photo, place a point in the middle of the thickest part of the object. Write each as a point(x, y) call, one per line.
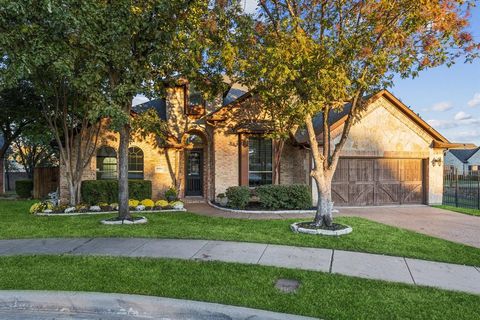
point(435, 222)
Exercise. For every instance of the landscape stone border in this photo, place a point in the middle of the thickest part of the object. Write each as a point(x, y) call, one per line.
point(264, 211)
point(124, 221)
point(297, 229)
point(105, 212)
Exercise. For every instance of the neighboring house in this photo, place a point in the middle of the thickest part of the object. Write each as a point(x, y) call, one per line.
point(464, 161)
point(391, 157)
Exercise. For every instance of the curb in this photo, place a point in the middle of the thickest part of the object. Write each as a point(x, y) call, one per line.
point(91, 305)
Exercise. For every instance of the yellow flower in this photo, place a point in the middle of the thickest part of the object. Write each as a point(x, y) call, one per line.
point(161, 203)
point(147, 203)
point(133, 203)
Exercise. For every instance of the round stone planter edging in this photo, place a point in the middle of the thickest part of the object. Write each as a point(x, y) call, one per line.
point(295, 228)
point(262, 211)
point(105, 212)
point(121, 222)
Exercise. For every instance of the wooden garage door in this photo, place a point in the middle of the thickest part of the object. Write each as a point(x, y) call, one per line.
point(379, 181)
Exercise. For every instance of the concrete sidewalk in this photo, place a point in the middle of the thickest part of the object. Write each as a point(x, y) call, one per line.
point(112, 306)
point(363, 265)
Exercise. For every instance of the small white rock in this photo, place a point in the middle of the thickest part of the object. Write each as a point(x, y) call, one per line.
point(140, 208)
point(70, 210)
point(47, 211)
point(95, 209)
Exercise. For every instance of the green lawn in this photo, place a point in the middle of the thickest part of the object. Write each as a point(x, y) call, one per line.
point(323, 295)
point(367, 236)
point(472, 212)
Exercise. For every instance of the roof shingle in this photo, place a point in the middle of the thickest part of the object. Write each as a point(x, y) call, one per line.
point(464, 154)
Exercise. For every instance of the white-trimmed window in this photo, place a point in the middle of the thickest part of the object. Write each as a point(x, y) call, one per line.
point(135, 163)
point(106, 163)
point(260, 161)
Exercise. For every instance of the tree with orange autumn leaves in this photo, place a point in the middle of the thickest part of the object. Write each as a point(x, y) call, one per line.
point(318, 56)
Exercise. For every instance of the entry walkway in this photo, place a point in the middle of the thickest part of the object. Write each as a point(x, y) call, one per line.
point(363, 265)
point(43, 305)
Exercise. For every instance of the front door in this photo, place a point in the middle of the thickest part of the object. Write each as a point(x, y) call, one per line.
point(194, 173)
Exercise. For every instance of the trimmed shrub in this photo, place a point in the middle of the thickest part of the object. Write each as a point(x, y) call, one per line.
point(238, 197)
point(140, 189)
point(24, 188)
point(96, 191)
point(286, 197)
point(171, 194)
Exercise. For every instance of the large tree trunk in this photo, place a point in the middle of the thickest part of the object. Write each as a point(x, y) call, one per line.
point(74, 189)
point(174, 168)
point(123, 209)
point(324, 215)
point(325, 162)
point(278, 150)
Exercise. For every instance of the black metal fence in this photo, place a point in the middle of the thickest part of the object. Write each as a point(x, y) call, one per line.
point(461, 190)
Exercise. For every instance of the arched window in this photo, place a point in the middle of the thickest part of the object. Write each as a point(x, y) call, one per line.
point(194, 140)
point(135, 163)
point(106, 163)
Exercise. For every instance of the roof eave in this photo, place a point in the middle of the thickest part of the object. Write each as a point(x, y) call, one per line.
point(452, 145)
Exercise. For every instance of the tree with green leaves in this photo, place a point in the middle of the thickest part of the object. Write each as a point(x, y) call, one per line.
point(144, 46)
point(102, 53)
point(35, 148)
point(42, 43)
point(20, 107)
point(324, 55)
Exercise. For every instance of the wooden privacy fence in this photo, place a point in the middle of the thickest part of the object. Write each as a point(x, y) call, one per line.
point(461, 190)
point(45, 180)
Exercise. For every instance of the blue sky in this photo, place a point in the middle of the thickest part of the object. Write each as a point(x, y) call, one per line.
point(447, 98)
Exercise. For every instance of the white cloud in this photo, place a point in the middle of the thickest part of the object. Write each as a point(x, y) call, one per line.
point(462, 116)
point(465, 136)
point(442, 106)
point(442, 124)
point(475, 101)
point(461, 120)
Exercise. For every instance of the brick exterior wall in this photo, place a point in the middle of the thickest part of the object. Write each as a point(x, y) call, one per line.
point(225, 160)
point(294, 167)
point(394, 136)
point(155, 164)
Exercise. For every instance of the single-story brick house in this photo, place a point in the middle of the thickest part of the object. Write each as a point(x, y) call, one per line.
point(463, 161)
point(392, 156)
